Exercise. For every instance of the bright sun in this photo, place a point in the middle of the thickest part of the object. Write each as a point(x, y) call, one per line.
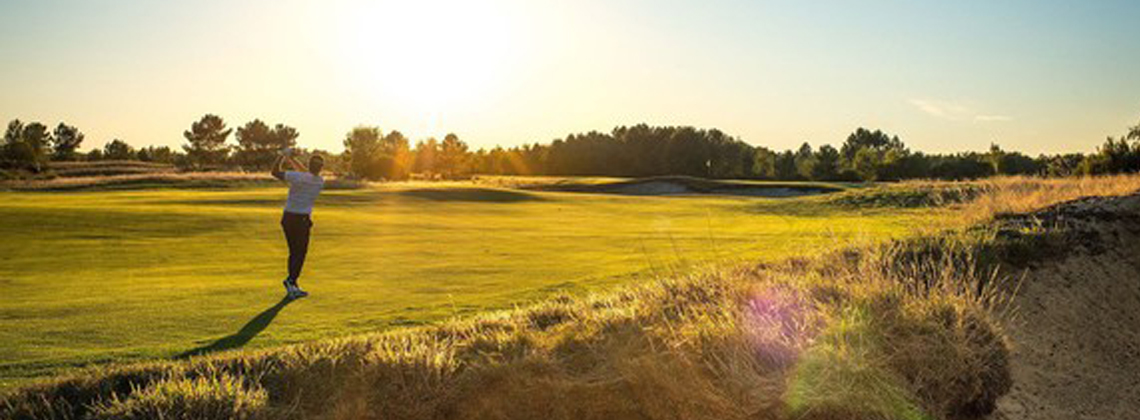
point(430, 55)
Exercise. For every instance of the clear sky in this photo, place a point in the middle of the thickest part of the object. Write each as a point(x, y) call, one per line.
point(1031, 75)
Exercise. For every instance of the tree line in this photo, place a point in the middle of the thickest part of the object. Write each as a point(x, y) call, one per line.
point(626, 151)
point(642, 150)
point(29, 147)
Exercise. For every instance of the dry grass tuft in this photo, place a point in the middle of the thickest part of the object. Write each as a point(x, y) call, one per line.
point(184, 398)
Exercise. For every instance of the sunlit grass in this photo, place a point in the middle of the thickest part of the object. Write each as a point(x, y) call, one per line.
point(99, 276)
point(908, 329)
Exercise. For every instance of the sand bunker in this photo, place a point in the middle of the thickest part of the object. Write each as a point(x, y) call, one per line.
point(1077, 339)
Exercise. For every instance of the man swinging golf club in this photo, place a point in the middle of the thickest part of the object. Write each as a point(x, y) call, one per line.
point(304, 187)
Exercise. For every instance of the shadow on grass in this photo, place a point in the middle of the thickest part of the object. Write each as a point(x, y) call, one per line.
point(486, 195)
point(247, 332)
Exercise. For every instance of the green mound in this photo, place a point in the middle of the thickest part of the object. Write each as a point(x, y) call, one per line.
point(910, 195)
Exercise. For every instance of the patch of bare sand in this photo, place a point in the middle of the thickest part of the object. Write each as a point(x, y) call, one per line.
point(1077, 337)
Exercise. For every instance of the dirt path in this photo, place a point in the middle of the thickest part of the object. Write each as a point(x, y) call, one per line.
point(1077, 338)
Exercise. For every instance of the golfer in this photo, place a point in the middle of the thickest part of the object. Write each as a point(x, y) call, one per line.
point(304, 187)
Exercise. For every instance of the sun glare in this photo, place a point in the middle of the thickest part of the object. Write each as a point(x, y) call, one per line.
point(431, 56)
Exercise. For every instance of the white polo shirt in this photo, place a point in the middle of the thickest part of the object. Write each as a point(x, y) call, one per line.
point(304, 187)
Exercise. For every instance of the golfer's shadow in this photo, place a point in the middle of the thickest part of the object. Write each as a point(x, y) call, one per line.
point(247, 332)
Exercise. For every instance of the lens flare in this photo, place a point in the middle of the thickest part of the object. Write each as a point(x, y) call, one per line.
point(780, 325)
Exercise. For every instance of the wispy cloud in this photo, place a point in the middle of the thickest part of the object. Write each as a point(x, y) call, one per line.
point(955, 111)
point(942, 109)
point(992, 118)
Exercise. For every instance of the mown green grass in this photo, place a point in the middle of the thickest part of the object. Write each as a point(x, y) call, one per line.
point(117, 276)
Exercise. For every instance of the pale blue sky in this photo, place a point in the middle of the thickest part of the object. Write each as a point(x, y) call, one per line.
point(1037, 76)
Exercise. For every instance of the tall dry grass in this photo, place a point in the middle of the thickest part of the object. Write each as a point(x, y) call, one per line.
point(904, 330)
point(980, 201)
point(1014, 195)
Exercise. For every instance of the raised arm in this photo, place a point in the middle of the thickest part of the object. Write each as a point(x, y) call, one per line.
point(297, 166)
point(276, 170)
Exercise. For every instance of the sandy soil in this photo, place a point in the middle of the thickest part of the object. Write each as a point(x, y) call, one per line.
point(1077, 336)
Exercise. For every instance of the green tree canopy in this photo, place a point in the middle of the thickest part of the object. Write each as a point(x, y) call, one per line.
point(118, 150)
point(258, 144)
point(25, 146)
point(361, 147)
point(206, 141)
point(65, 141)
point(452, 156)
point(426, 156)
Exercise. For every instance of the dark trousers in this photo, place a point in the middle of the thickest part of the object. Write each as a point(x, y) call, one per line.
point(296, 227)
